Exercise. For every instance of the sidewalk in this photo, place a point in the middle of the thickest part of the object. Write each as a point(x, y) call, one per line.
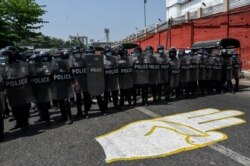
point(247, 74)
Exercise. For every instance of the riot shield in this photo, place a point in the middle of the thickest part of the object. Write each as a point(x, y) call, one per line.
point(16, 83)
point(202, 67)
point(95, 74)
point(209, 71)
point(62, 79)
point(78, 71)
point(216, 68)
point(40, 80)
point(111, 73)
point(185, 69)
point(164, 68)
point(2, 100)
point(228, 67)
point(126, 77)
point(194, 68)
point(175, 73)
point(236, 67)
point(153, 69)
point(140, 70)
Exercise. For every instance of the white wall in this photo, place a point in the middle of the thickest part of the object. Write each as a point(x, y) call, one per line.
point(191, 6)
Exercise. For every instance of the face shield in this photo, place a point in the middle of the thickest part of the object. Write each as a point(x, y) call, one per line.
point(108, 53)
point(161, 51)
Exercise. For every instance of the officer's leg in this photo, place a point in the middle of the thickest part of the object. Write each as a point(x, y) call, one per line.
point(24, 116)
point(230, 85)
point(79, 104)
point(145, 96)
point(128, 94)
point(44, 110)
point(177, 92)
point(106, 100)
point(101, 105)
point(16, 114)
point(68, 111)
point(159, 90)
point(6, 110)
point(115, 98)
point(122, 95)
point(218, 86)
point(62, 110)
point(236, 87)
point(1, 127)
point(136, 87)
point(167, 91)
point(154, 89)
point(87, 103)
point(195, 88)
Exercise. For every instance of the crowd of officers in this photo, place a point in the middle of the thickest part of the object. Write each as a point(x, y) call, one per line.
point(118, 76)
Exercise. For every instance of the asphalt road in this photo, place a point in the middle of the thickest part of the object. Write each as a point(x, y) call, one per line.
point(76, 144)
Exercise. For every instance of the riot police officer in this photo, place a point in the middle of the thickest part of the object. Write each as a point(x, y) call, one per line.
point(62, 85)
point(174, 72)
point(95, 80)
point(2, 99)
point(141, 74)
point(209, 72)
point(111, 78)
point(126, 79)
point(202, 72)
point(236, 69)
point(227, 70)
point(16, 85)
point(163, 60)
point(217, 72)
point(194, 72)
point(40, 80)
point(154, 71)
point(184, 72)
point(78, 71)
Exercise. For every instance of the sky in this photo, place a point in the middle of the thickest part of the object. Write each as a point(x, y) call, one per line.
point(90, 17)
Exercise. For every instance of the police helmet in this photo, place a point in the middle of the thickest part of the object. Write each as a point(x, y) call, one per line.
point(150, 49)
point(172, 52)
point(90, 50)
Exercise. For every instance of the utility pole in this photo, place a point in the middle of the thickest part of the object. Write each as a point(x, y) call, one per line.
point(145, 17)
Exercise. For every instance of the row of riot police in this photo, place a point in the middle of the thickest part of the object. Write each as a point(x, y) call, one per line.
point(114, 74)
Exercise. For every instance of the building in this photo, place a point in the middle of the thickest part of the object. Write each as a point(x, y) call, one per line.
point(212, 21)
point(178, 8)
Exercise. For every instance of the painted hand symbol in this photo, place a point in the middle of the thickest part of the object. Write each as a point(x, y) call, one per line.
point(167, 135)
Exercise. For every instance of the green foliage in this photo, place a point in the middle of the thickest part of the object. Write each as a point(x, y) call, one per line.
point(48, 42)
point(19, 19)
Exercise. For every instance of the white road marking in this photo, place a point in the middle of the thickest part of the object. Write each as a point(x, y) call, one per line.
point(217, 147)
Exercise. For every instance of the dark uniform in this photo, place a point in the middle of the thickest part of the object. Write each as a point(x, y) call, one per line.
point(2, 99)
point(78, 71)
point(194, 73)
point(227, 70)
point(141, 74)
point(16, 85)
point(217, 72)
point(174, 72)
point(40, 80)
point(163, 60)
point(236, 70)
point(111, 78)
point(97, 84)
point(184, 72)
point(154, 71)
point(62, 85)
point(126, 77)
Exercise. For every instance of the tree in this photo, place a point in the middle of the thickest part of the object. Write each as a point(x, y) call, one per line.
point(19, 20)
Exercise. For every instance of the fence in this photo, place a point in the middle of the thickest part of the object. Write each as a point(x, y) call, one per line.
point(181, 19)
